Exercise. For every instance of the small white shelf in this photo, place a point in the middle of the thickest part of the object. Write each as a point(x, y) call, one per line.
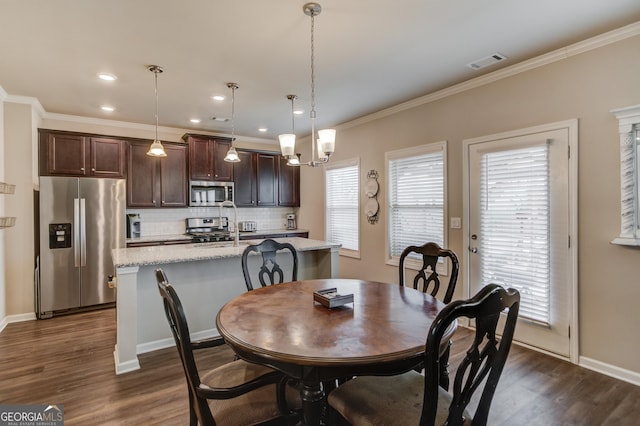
point(7, 188)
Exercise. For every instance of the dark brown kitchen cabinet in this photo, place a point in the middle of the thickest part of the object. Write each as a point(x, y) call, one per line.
point(75, 154)
point(267, 179)
point(256, 179)
point(263, 179)
point(157, 182)
point(244, 174)
point(206, 158)
point(288, 184)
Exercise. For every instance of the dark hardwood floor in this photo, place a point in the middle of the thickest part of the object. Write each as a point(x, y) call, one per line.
point(69, 360)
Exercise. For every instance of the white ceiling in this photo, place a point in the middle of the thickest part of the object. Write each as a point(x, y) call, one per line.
point(370, 54)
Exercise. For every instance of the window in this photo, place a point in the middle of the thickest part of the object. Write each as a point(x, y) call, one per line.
point(416, 195)
point(342, 183)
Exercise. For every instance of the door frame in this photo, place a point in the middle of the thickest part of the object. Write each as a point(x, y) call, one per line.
point(572, 127)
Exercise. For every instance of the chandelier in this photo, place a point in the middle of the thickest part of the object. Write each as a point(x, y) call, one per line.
point(156, 149)
point(323, 146)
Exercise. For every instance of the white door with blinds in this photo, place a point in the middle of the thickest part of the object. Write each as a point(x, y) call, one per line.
point(519, 216)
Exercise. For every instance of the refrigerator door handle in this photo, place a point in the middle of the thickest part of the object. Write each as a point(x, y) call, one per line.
point(83, 233)
point(76, 232)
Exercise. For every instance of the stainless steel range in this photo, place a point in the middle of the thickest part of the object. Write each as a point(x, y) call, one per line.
point(208, 229)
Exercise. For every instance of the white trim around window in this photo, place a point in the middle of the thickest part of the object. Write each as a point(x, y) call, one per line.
point(426, 167)
point(342, 205)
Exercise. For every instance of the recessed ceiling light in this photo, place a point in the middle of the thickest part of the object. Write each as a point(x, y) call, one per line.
point(262, 129)
point(298, 111)
point(222, 119)
point(107, 108)
point(195, 120)
point(218, 98)
point(106, 77)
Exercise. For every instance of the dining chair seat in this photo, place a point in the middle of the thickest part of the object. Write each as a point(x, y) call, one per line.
point(388, 400)
point(257, 406)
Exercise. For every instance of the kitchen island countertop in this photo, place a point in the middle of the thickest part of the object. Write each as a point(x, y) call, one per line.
point(158, 255)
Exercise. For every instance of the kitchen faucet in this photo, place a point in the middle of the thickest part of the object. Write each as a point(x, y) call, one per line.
point(227, 203)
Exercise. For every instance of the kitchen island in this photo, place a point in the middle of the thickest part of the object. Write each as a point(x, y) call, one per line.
point(206, 276)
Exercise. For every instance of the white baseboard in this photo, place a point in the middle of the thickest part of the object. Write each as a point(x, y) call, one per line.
point(16, 318)
point(125, 367)
point(142, 348)
point(610, 370)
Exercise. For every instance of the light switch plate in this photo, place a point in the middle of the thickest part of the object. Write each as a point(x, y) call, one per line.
point(455, 223)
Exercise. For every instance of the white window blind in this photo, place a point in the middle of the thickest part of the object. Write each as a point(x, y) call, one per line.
point(515, 243)
point(342, 206)
point(416, 198)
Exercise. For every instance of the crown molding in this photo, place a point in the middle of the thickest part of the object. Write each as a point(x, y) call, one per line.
point(587, 45)
point(175, 131)
point(27, 100)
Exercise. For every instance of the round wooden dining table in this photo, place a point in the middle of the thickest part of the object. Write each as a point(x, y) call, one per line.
point(382, 332)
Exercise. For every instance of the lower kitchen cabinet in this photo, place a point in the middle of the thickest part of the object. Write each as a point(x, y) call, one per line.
point(156, 182)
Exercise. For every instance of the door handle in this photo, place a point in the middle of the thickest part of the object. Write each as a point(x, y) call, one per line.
point(76, 232)
point(83, 233)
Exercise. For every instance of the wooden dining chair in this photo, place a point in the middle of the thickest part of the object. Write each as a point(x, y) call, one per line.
point(414, 399)
point(270, 269)
point(236, 393)
point(427, 276)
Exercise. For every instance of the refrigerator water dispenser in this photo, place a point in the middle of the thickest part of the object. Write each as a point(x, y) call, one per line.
point(59, 235)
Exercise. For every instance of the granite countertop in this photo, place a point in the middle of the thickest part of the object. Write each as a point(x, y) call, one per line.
point(178, 237)
point(159, 255)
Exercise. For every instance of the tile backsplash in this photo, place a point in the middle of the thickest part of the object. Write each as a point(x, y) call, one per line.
point(172, 221)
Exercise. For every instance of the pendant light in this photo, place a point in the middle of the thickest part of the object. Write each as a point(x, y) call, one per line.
point(288, 140)
point(232, 155)
point(156, 149)
point(324, 145)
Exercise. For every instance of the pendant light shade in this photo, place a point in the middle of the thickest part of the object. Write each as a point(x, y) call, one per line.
point(156, 149)
point(324, 144)
point(232, 154)
point(288, 140)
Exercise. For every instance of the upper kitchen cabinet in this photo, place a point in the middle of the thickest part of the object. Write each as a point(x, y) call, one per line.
point(74, 154)
point(260, 181)
point(288, 184)
point(206, 158)
point(244, 174)
point(157, 182)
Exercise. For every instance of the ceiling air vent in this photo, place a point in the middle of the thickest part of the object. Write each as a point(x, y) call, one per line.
point(486, 61)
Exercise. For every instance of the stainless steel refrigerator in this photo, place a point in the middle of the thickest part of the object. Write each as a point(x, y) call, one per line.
point(81, 221)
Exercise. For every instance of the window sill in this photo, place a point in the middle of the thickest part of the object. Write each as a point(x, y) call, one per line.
point(350, 253)
point(627, 241)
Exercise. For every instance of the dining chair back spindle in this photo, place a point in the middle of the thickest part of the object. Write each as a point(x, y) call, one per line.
point(427, 276)
point(269, 269)
point(414, 399)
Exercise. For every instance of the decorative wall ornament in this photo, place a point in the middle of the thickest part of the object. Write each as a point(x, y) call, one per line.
point(371, 188)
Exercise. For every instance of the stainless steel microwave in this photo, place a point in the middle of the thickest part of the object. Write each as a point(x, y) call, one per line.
point(203, 193)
